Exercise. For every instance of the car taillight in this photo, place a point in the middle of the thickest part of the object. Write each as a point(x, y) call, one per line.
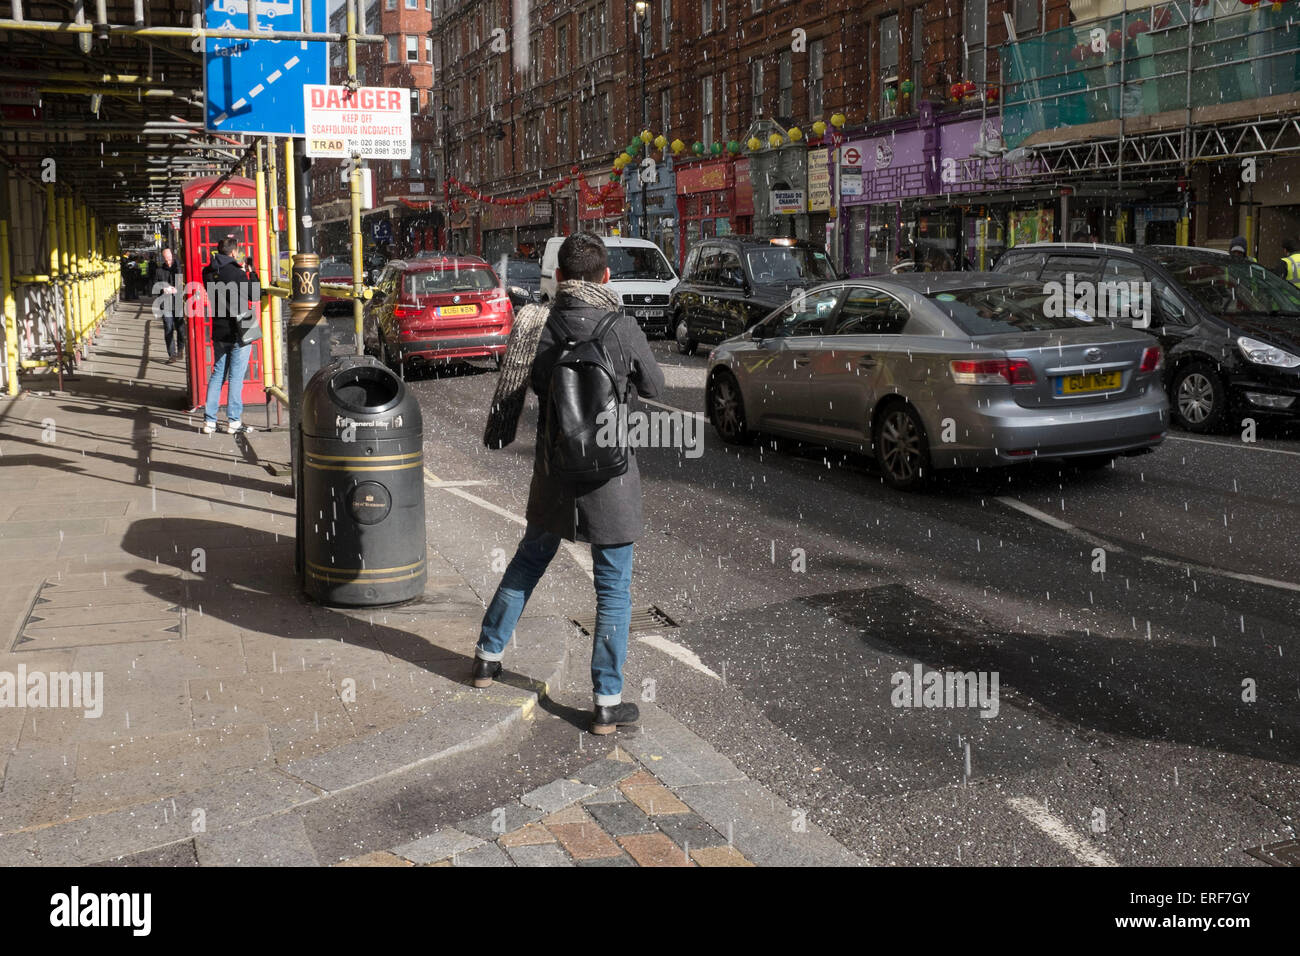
point(992, 372)
point(407, 312)
point(499, 303)
point(1152, 359)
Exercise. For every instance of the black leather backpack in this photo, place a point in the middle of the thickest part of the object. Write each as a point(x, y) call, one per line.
point(583, 388)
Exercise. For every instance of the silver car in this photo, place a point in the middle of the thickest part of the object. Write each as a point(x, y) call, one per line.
point(941, 370)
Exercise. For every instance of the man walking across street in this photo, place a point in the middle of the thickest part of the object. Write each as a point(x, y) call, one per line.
point(229, 289)
point(1289, 267)
point(165, 279)
point(605, 513)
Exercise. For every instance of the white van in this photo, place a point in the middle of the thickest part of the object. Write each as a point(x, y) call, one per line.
point(637, 270)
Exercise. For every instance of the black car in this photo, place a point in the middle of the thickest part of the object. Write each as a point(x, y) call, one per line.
point(1230, 328)
point(522, 279)
point(730, 283)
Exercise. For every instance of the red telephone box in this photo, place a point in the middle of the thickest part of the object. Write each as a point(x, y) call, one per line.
point(214, 208)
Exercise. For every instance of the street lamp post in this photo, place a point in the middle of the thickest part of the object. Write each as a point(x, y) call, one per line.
point(642, 8)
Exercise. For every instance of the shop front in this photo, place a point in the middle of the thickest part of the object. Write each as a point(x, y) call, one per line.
point(515, 230)
point(780, 189)
point(660, 205)
point(878, 175)
point(600, 210)
point(714, 198)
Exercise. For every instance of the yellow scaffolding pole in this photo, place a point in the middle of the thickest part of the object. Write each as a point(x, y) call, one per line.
point(263, 305)
point(355, 189)
point(10, 307)
point(80, 270)
point(273, 210)
point(290, 201)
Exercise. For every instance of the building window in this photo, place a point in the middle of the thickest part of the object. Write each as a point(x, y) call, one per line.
point(535, 58)
point(888, 61)
point(412, 4)
point(394, 48)
point(756, 89)
point(562, 139)
point(1025, 17)
point(785, 107)
point(976, 16)
point(706, 108)
point(665, 23)
point(918, 55)
point(816, 79)
point(706, 16)
point(390, 4)
point(412, 49)
point(428, 49)
point(417, 161)
point(722, 108)
point(756, 6)
point(562, 48)
point(415, 101)
point(666, 110)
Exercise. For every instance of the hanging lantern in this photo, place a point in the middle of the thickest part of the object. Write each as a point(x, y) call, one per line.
point(907, 86)
point(775, 140)
point(647, 137)
point(614, 177)
point(715, 149)
point(697, 148)
point(754, 143)
point(796, 134)
point(1160, 17)
point(1079, 53)
point(956, 90)
point(1114, 39)
point(733, 147)
point(1277, 8)
point(992, 95)
point(661, 141)
point(891, 94)
point(1140, 26)
point(634, 147)
point(678, 146)
point(819, 128)
point(838, 120)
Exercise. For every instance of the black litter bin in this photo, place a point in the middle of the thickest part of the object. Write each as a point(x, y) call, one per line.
point(362, 486)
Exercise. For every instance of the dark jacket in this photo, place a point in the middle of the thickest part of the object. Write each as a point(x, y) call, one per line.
point(165, 275)
point(224, 269)
point(608, 512)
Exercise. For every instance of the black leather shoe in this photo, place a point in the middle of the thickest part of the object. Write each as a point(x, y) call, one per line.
point(485, 672)
point(605, 719)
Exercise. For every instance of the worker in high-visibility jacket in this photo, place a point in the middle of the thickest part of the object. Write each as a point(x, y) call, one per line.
point(1289, 267)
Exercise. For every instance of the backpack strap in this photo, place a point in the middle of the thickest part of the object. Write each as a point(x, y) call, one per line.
point(605, 324)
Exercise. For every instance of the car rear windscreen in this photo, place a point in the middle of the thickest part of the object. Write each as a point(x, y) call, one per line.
point(997, 310)
point(441, 281)
point(789, 264)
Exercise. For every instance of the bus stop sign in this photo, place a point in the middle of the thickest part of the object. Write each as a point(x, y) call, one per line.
point(255, 86)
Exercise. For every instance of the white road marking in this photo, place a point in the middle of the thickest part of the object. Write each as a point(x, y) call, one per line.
point(582, 558)
point(1055, 522)
point(677, 652)
point(1224, 444)
point(456, 484)
point(1100, 542)
point(1059, 831)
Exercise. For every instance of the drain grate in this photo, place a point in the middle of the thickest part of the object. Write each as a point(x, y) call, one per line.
point(1286, 853)
point(650, 619)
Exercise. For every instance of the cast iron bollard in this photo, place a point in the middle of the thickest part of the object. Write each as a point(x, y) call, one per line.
point(363, 486)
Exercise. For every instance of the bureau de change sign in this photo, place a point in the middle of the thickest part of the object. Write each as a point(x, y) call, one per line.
point(373, 122)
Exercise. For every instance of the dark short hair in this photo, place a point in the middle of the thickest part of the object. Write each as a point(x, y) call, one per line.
point(583, 256)
point(227, 245)
point(1290, 245)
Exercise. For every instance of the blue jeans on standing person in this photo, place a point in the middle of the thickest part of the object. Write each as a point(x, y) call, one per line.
point(173, 333)
point(612, 571)
point(231, 362)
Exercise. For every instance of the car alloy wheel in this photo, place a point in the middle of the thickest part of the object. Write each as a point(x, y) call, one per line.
point(685, 344)
point(1199, 399)
point(901, 448)
point(727, 409)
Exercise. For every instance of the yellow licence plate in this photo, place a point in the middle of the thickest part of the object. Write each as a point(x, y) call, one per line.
point(458, 310)
point(1089, 382)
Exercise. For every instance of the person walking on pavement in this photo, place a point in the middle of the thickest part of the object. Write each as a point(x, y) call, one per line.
point(607, 514)
point(166, 276)
point(1289, 267)
point(229, 288)
point(1237, 248)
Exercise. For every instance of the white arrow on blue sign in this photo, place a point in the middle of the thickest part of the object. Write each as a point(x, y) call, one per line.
point(255, 86)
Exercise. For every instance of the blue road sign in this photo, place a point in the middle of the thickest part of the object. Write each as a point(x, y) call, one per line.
point(383, 230)
point(255, 86)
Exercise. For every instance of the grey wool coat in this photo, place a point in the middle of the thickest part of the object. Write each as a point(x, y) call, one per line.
point(609, 512)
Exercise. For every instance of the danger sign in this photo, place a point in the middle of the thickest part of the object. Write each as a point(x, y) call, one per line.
point(373, 122)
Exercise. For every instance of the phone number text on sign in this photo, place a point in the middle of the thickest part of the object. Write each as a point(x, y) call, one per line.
point(373, 122)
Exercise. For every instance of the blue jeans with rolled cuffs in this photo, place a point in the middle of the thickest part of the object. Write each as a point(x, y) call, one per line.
point(612, 571)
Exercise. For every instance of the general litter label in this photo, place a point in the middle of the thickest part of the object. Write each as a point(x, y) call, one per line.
point(373, 122)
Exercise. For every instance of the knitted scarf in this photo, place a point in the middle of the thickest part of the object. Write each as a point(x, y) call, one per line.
point(521, 349)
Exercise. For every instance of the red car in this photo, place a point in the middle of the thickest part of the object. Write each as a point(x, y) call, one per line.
point(437, 310)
